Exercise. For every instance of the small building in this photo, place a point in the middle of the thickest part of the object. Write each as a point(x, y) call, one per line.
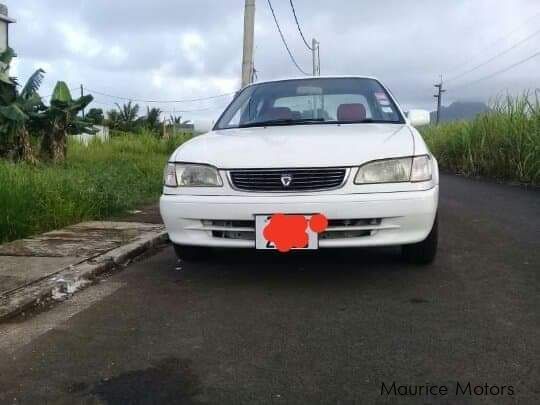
point(4, 27)
point(102, 135)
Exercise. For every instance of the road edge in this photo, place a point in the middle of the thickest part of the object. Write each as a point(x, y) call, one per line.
point(72, 278)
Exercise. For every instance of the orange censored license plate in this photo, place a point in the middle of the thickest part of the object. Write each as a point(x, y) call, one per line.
point(285, 232)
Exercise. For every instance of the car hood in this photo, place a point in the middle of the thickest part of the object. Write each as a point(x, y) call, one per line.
point(298, 146)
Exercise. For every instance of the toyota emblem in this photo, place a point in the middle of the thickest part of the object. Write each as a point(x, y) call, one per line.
point(286, 180)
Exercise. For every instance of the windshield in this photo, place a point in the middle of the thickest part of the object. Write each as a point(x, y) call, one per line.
point(311, 101)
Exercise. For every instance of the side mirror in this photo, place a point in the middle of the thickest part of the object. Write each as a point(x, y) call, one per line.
point(417, 118)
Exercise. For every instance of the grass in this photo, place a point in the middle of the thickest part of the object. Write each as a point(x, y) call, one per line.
point(96, 181)
point(503, 144)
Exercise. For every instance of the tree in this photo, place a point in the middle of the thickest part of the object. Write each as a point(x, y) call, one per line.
point(127, 116)
point(17, 108)
point(152, 119)
point(113, 119)
point(177, 120)
point(95, 116)
point(62, 117)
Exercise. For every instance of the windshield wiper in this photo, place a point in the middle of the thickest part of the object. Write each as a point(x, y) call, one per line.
point(365, 121)
point(282, 121)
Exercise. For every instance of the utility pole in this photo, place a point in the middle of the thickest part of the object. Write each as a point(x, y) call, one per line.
point(438, 96)
point(316, 62)
point(249, 33)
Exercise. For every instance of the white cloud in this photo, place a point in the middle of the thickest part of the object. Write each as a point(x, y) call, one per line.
point(117, 55)
point(79, 41)
point(192, 45)
point(46, 66)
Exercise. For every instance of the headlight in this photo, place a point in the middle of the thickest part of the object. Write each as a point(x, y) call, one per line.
point(395, 170)
point(191, 175)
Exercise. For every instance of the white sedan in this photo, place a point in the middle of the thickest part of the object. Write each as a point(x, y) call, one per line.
point(319, 162)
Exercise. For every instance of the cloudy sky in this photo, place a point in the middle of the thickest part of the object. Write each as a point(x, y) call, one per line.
point(178, 49)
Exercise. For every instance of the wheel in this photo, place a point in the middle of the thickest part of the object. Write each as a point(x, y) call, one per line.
point(190, 253)
point(423, 252)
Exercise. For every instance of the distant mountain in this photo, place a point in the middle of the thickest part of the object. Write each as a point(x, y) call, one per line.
point(460, 110)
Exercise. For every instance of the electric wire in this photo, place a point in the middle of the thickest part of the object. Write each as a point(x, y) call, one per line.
point(190, 100)
point(496, 42)
point(299, 28)
point(115, 107)
point(50, 95)
point(506, 69)
point(486, 62)
point(284, 41)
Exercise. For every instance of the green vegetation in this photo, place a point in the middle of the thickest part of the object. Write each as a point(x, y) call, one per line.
point(42, 187)
point(125, 118)
point(94, 182)
point(24, 118)
point(502, 144)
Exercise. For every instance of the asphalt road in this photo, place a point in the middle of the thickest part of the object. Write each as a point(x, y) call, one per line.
point(324, 327)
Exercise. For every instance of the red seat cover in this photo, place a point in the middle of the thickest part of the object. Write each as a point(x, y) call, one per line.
point(351, 112)
point(278, 113)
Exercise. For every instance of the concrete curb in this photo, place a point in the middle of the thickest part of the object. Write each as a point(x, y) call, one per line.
point(70, 279)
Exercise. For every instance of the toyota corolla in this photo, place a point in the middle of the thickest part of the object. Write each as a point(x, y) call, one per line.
point(333, 160)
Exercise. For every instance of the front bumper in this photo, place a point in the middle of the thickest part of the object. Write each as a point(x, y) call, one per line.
point(377, 219)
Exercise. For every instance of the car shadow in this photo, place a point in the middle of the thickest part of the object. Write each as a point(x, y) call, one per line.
point(321, 266)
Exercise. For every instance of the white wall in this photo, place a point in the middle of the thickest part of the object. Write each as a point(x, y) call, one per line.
point(3, 35)
point(102, 134)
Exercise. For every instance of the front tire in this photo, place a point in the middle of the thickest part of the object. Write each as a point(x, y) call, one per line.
point(191, 253)
point(424, 252)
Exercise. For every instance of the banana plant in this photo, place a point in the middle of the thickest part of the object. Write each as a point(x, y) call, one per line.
point(63, 119)
point(8, 84)
point(17, 109)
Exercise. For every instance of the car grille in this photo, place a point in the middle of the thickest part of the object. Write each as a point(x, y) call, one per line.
point(337, 228)
point(277, 179)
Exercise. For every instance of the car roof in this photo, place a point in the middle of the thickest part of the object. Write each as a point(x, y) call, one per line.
point(283, 79)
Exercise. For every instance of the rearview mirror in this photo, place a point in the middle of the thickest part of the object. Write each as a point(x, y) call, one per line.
point(417, 118)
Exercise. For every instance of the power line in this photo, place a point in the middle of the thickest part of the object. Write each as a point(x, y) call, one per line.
point(299, 28)
point(115, 107)
point(494, 57)
point(496, 42)
point(506, 69)
point(52, 94)
point(158, 101)
point(192, 111)
point(284, 41)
